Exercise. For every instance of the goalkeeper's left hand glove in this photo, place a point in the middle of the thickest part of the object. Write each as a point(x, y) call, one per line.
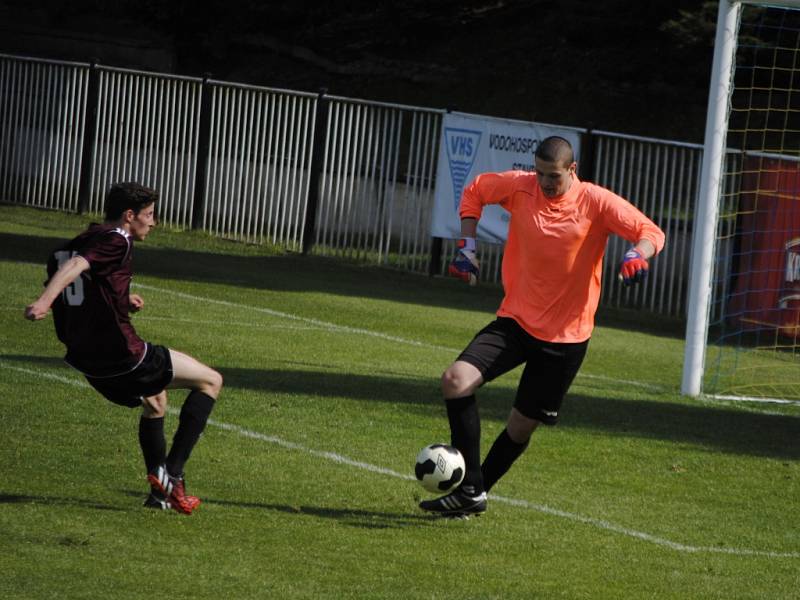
point(633, 268)
point(465, 264)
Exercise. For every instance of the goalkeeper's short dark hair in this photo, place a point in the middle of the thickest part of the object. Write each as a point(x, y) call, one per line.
point(128, 195)
point(555, 149)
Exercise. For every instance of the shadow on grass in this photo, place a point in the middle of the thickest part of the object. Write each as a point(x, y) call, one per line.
point(720, 429)
point(54, 362)
point(715, 428)
point(56, 500)
point(283, 273)
point(298, 273)
point(367, 519)
point(633, 320)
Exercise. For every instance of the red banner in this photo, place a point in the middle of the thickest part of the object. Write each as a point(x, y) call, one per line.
point(766, 288)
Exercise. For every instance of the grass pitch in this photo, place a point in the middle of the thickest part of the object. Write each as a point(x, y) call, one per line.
point(331, 387)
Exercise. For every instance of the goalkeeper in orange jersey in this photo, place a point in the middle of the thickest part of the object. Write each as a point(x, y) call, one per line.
point(551, 277)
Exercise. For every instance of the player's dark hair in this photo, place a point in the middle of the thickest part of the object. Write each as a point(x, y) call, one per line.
point(128, 195)
point(555, 149)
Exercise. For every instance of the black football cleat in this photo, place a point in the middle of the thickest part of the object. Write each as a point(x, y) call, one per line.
point(456, 504)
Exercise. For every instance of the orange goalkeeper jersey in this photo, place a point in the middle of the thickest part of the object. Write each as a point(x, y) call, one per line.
point(553, 256)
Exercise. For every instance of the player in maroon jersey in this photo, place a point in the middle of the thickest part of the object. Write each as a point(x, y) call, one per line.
point(88, 288)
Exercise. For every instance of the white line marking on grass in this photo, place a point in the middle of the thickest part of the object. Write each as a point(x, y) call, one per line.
point(357, 330)
point(332, 456)
point(343, 460)
point(712, 397)
point(50, 376)
point(601, 524)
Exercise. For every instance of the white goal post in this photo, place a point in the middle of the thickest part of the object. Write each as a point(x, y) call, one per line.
point(706, 219)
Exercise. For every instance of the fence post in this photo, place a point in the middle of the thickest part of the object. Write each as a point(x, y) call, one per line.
point(586, 170)
point(434, 268)
point(320, 127)
point(203, 141)
point(90, 128)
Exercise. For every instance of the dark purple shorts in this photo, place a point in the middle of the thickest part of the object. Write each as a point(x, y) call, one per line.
point(148, 379)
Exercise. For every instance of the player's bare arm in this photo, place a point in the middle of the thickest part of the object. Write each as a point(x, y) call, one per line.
point(65, 275)
point(645, 248)
point(469, 227)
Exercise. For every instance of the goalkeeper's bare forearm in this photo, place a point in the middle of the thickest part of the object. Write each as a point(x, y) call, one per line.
point(645, 248)
point(469, 227)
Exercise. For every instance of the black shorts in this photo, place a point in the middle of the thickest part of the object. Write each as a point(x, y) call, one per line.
point(549, 367)
point(148, 379)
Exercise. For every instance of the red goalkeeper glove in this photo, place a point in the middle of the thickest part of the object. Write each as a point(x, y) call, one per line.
point(633, 268)
point(465, 264)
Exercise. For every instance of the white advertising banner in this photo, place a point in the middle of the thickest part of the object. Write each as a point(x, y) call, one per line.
point(471, 145)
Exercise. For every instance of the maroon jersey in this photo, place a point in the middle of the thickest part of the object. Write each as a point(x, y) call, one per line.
point(92, 313)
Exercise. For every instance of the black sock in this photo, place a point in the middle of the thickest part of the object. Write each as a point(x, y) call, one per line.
point(152, 441)
point(501, 456)
point(194, 414)
point(465, 432)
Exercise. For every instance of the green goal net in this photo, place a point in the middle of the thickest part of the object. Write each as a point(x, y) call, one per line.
point(754, 306)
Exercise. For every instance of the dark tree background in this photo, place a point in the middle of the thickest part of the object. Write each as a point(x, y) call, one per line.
point(632, 66)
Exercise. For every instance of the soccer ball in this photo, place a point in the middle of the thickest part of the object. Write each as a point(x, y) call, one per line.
point(439, 468)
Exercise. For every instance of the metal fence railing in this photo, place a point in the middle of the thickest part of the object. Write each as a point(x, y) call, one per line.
point(42, 121)
point(146, 130)
point(325, 174)
point(376, 190)
point(260, 146)
point(662, 179)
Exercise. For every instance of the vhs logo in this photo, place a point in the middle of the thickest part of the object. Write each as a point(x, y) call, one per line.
point(462, 147)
